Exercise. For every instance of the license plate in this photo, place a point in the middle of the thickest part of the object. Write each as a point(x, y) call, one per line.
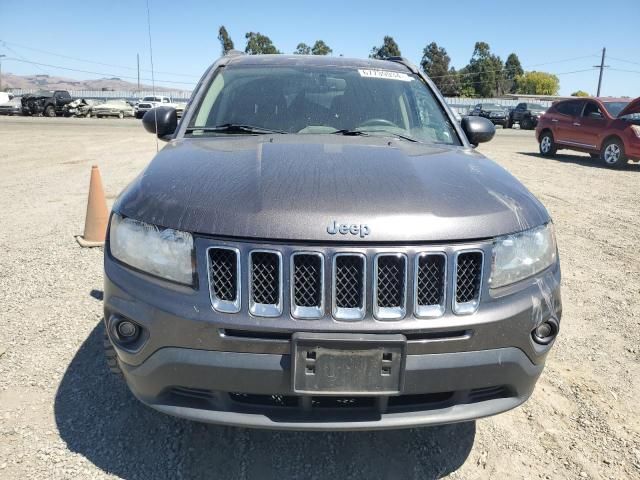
point(347, 364)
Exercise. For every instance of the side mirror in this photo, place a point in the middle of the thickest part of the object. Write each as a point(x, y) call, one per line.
point(477, 129)
point(162, 121)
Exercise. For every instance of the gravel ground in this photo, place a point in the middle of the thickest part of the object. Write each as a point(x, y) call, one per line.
point(63, 416)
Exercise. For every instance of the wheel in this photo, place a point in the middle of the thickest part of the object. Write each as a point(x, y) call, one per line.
point(525, 124)
point(612, 154)
point(111, 357)
point(547, 145)
point(508, 123)
point(120, 114)
point(50, 111)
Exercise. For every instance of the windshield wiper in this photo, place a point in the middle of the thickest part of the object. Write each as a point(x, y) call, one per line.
point(381, 133)
point(349, 132)
point(235, 128)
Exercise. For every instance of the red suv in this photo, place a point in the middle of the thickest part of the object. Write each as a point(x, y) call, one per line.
point(606, 128)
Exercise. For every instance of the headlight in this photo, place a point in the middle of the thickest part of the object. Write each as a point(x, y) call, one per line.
point(521, 255)
point(166, 253)
point(636, 130)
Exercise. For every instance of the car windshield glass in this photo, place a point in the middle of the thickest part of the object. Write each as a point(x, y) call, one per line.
point(614, 108)
point(491, 106)
point(535, 106)
point(321, 100)
point(150, 99)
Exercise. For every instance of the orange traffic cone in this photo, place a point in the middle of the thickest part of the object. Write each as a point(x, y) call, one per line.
point(95, 224)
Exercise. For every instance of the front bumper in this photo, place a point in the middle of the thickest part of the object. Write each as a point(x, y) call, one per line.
point(235, 369)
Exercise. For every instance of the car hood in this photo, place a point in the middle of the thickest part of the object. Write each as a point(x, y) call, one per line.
point(633, 107)
point(293, 187)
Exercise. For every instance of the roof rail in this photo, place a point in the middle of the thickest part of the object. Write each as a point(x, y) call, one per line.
point(234, 53)
point(405, 62)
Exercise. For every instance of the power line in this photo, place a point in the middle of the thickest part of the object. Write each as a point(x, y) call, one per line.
point(623, 70)
point(96, 73)
point(5, 44)
point(622, 60)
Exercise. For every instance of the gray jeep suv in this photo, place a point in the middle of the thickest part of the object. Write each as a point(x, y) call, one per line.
point(319, 246)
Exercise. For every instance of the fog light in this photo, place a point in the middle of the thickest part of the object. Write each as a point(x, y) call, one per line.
point(127, 330)
point(546, 331)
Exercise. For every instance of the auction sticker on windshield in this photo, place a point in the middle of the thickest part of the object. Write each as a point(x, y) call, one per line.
point(365, 72)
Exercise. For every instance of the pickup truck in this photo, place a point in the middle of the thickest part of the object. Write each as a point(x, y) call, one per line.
point(147, 103)
point(47, 103)
point(319, 246)
point(526, 114)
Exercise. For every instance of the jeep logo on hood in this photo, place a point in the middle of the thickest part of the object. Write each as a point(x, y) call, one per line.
point(345, 229)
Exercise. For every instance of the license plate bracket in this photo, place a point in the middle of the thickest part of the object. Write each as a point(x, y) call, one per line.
point(348, 364)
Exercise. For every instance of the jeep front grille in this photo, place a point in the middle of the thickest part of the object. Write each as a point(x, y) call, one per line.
point(368, 283)
point(468, 281)
point(390, 286)
point(265, 295)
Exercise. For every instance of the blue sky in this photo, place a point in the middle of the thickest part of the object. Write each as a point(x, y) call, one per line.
point(184, 34)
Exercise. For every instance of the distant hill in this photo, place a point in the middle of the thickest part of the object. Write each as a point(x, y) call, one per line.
point(49, 82)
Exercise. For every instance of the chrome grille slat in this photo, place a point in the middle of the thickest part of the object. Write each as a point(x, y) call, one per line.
point(265, 285)
point(390, 286)
point(224, 278)
point(468, 281)
point(430, 285)
point(307, 285)
point(349, 286)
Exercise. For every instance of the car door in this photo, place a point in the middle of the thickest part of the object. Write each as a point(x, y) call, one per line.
point(590, 125)
point(519, 110)
point(566, 122)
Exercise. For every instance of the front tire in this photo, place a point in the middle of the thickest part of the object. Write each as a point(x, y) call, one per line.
point(50, 111)
point(121, 115)
point(526, 124)
point(612, 154)
point(547, 144)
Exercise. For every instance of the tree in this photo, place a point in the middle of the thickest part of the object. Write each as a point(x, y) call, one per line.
point(486, 71)
point(435, 63)
point(512, 70)
point(537, 83)
point(580, 93)
point(302, 49)
point(225, 40)
point(388, 49)
point(258, 44)
point(321, 48)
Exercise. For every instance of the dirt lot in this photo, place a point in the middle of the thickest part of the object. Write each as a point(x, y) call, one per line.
point(63, 416)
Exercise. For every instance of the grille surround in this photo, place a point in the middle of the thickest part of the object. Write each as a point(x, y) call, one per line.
point(390, 312)
point(306, 311)
point(429, 310)
point(219, 304)
point(349, 313)
point(265, 309)
point(471, 306)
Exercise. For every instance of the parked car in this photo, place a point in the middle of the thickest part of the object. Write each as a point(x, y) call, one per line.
point(496, 113)
point(112, 108)
point(526, 115)
point(11, 107)
point(606, 128)
point(47, 103)
point(337, 258)
point(147, 103)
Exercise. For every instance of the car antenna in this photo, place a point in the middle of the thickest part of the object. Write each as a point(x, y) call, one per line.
point(153, 80)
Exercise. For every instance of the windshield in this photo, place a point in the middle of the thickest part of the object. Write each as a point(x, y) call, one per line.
point(614, 108)
point(491, 106)
point(323, 99)
point(150, 99)
point(535, 106)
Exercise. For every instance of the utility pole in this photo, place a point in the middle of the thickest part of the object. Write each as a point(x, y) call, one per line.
point(602, 66)
point(1, 71)
point(138, 58)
